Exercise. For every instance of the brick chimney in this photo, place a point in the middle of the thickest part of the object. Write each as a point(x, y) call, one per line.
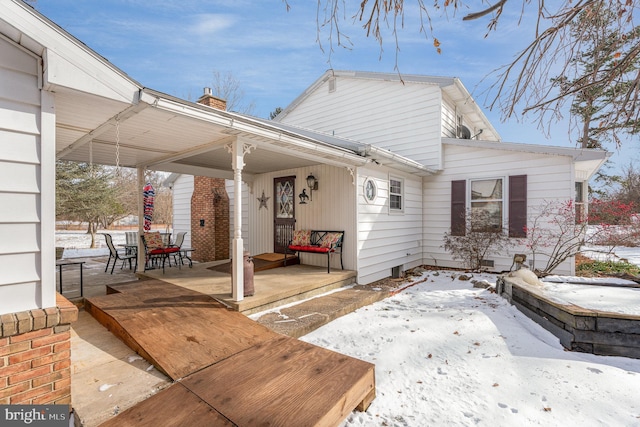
point(209, 219)
point(212, 101)
point(210, 223)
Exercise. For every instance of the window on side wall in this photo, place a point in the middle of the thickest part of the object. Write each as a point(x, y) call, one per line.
point(487, 204)
point(579, 201)
point(487, 197)
point(396, 195)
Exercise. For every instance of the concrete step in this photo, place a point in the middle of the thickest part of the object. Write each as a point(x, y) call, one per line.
point(300, 319)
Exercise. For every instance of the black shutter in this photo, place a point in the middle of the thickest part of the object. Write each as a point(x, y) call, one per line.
point(458, 207)
point(517, 205)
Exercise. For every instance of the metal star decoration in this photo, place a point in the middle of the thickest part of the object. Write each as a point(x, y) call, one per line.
point(263, 201)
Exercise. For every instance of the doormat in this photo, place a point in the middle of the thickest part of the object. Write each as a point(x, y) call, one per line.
point(272, 257)
point(259, 263)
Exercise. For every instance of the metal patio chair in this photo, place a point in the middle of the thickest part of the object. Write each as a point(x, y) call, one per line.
point(118, 255)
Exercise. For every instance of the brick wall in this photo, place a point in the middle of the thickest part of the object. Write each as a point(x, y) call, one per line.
point(35, 355)
point(209, 203)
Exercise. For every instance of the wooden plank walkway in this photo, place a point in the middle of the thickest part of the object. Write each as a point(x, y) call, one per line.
point(232, 370)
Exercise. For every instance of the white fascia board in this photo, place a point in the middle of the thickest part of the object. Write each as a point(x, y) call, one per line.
point(306, 145)
point(396, 161)
point(73, 64)
point(471, 103)
point(75, 73)
point(178, 168)
point(171, 179)
point(182, 108)
point(576, 154)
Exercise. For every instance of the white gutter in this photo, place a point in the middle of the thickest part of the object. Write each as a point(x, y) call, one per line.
point(377, 153)
point(241, 124)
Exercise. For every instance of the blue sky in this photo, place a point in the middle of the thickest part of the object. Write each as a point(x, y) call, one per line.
point(175, 46)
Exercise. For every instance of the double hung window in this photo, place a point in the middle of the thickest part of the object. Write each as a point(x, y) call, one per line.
point(487, 204)
point(395, 194)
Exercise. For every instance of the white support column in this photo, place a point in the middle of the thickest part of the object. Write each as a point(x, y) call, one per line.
point(237, 150)
point(47, 292)
point(141, 254)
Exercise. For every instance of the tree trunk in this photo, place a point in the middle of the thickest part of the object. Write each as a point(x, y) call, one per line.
point(92, 230)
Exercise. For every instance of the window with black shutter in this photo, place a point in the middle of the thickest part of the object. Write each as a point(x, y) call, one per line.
point(458, 207)
point(518, 206)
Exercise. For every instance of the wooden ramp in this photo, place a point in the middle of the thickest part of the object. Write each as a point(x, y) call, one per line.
point(232, 370)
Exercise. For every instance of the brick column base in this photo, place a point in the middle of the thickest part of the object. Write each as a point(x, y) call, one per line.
point(35, 355)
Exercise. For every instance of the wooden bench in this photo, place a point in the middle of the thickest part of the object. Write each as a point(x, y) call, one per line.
point(318, 242)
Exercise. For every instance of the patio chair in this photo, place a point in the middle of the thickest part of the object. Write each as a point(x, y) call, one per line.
point(178, 244)
point(118, 255)
point(131, 241)
point(155, 250)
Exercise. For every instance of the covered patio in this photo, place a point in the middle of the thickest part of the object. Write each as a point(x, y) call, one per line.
point(148, 130)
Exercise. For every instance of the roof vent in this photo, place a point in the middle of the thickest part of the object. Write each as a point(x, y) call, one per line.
point(332, 84)
point(464, 132)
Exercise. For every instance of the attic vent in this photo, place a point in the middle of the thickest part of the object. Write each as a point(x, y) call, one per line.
point(464, 132)
point(332, 84)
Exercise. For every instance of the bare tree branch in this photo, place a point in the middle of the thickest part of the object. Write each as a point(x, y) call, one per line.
point(531, 83)
point(487, 11)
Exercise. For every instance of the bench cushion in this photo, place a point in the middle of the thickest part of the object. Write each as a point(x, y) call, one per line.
point(153, 240)
point(330, 239)
point(160, 251)
point(316, 249)
point(301, 238)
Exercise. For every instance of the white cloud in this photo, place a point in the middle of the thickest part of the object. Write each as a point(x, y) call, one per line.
point(207, 24)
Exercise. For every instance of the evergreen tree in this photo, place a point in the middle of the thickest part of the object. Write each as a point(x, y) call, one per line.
point(85, 193)
point(599, 101)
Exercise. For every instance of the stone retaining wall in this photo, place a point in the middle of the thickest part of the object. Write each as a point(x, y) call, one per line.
point(579, 329)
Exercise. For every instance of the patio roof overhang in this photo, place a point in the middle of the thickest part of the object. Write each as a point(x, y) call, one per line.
point(160, 132)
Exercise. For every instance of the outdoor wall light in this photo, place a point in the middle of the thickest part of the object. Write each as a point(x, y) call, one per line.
point(303, 197)
point(312, 183)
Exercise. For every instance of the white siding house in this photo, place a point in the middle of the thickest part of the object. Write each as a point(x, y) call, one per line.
point(434, 122)
point(27, 177)
point(418, 138)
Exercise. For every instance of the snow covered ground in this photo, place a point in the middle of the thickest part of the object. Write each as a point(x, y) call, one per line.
point(77, 244)
point(447, 353)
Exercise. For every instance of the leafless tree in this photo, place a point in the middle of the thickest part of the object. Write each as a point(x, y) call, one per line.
point(479, 240)
point(227, 87)
point(524, 85)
